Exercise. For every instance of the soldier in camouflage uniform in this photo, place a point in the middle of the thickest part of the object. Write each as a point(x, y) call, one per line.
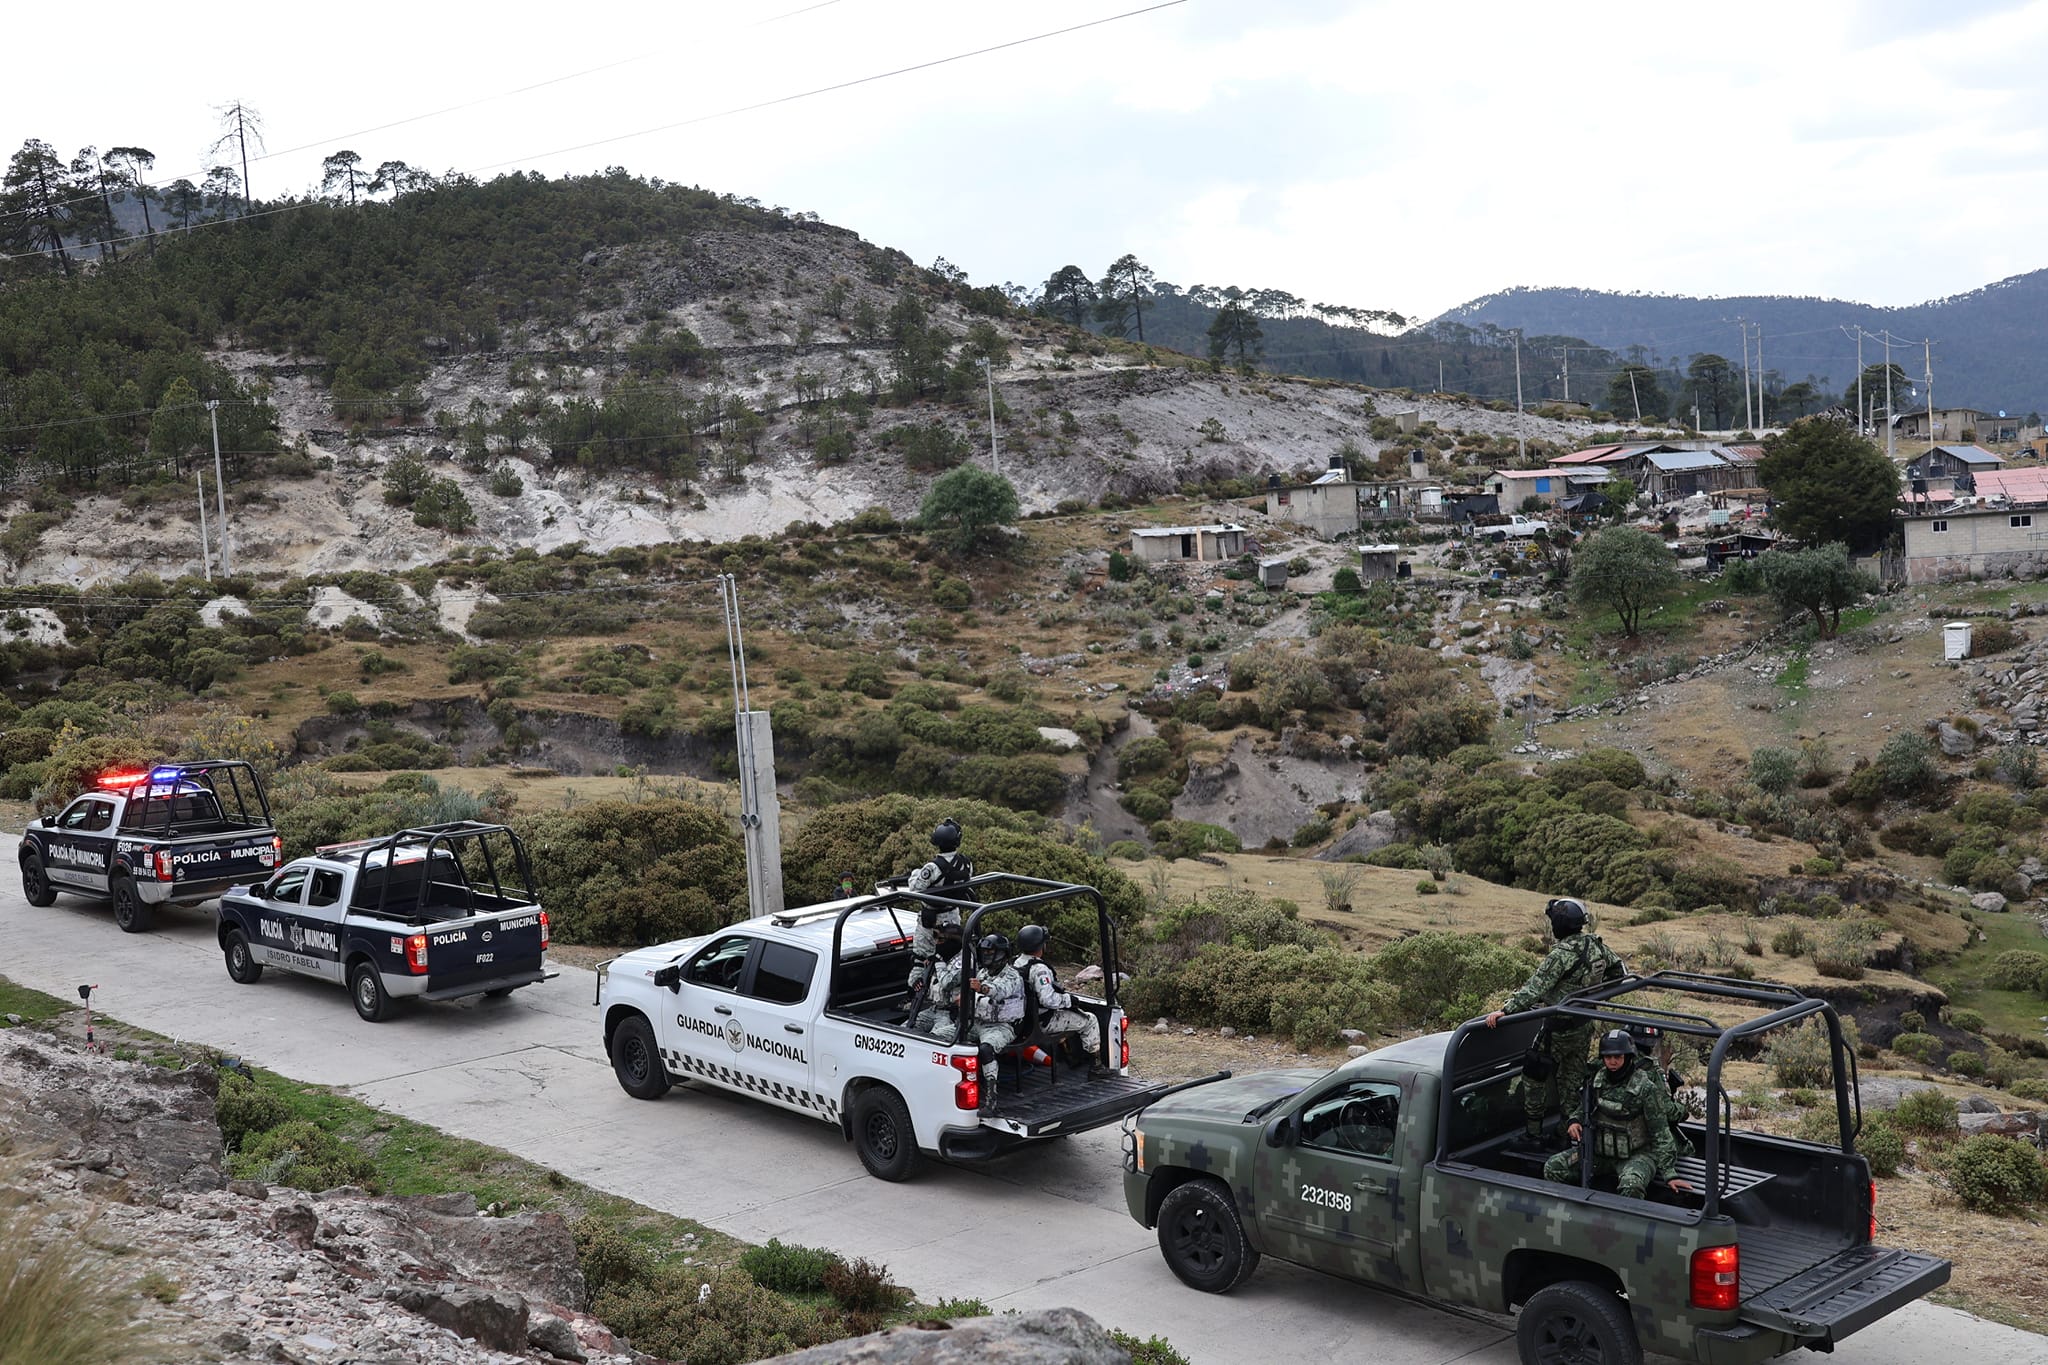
point(945, 875)
point(938, 1003)
point(998, 1006)
point(1071, 1030)
point(1631, 1131)
point(1578, 961)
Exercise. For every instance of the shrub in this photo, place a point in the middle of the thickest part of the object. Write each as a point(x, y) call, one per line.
point(343, 704)
point(1442, 978)
point(1150, 1351)
point(245, 1109)
point(2018, 969)
point(304, 1156)
point(608, 1258)
point(1774, 771)
point(1800, 1056)
point(1927, 1112)
point(1305, 994)
point(1966, 1063)
point(862, 1286)
point(715, 1318)
point(1905, 765)
point(1969, 1021)
point(2030, 1088)
point(1426, 887)
point(1919, 1046)
point(789, 1269)
point(1312, 832)
point(1141, 756)
point(1791, 941)
point(1128, 849)
point(1880, 1143)
point(636, 872)
point(1992, 1174)
point(1913, 1021)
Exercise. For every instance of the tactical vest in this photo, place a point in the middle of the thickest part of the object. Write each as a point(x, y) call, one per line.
point(954, 869)
point(1597, 964)
point(1620, 1128)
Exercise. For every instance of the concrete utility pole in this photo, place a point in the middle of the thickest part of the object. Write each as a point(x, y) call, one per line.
point(1638, 398)
point(1890, 428)
point(1929, 353)
point(219, 485)
point(1521, 446)
point(760, 807)
point(1860, 420)
point(995, 456)
point(1760, 418)
point(1747, 419)
point(205, 559)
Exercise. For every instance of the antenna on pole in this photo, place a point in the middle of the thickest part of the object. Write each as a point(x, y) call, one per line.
point(1521, 446)
point(760, 811)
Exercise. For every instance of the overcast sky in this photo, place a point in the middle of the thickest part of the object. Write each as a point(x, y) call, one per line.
point(1393, 155)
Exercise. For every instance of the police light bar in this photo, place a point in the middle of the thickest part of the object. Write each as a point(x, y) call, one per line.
point(112, 780)
point(166, 774)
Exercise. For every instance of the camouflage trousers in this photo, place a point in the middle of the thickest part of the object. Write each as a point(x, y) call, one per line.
point(924, 947)
point(997, 1036)
point(1081, 1025)
point(1559, 1094)
point(1631, 1174)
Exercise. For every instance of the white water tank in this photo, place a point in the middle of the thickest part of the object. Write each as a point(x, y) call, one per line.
point(1955, 640)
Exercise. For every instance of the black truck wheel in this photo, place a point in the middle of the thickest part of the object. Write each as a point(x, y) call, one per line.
point(636, 1060)
point(882, 1134)
point(35, 884)
point(243, 968)
point(131, 912)
point(1576, 1323)
point(367, 990)
point(1202, 1238)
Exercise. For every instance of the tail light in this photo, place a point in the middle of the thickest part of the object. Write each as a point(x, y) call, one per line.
point(967, 1090)
point(1123, 1040)
point(416, 954)
point(163, 865)
point(1717, 1278)
point(546, 936)
point(276, 848)
point(1873, 1211)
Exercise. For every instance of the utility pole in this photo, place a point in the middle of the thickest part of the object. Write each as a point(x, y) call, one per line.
point(1439, 375)
point(760, 808)
point(205, 559)
point(219, 485)
point(995, 456)
point(1929, 353)
point(1638, 398)
point(1859, 375)
point(1760, 418)
point(1890, 428)
point(1521, 446)
point(1748, 419)
point(1566, 352)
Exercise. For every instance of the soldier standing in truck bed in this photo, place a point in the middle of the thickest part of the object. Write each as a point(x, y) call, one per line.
point(1577, 962)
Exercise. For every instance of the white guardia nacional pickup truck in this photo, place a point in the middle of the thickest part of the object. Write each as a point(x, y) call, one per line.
point(808, 1010)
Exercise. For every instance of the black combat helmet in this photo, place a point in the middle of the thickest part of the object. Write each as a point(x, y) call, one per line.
point(1567, 916)
point(1031, 938)
point(1616, 1042)
point(946, 835)
point(995, 951)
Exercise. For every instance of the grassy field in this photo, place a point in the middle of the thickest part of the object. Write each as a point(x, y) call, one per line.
point(1962, 977)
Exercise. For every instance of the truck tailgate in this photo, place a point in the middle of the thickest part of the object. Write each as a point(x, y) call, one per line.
point(246, 857)
point(1074, 1105)
point(485, 948)
point(1844, 1293)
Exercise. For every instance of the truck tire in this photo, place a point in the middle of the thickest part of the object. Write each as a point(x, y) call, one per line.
point(882, 1134)
point(367, 990)
point(243, 968)
point(131, 912)
point(1202, 1238)
point(636, 1060)
point(1577, 1322)
point(35, 883)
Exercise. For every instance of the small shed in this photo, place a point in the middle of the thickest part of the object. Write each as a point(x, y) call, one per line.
point(1955, 640)
point(1164, 544)
point(1273, 573)
point(1377, 561)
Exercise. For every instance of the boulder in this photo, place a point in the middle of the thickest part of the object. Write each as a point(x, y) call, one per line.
point(2025, 1127)
point(1954, 742)
point(493, 1319)
point(1990, 902)
point(549, 1333)
point(1052, 1336)
point(1885, 1092)
point(1975, 1104)
point(1374, 832)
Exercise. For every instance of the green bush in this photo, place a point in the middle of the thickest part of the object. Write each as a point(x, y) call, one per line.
point(1993, 1174)
point(1427, 887)
point(616, 872)
point(1919, 1046)
point(1881, 1144)
point(1305, 994)
point(1775, 771)
point(608, 1258)
point(1800, 1056)
point(735, 1322)
point(1403, 857)
point(1969, 1021)
point(1444, 978)
point(1966, 1063)
point(1191, 838)
point(1311, 833)
point(1791, 941)
point(245, 1109)
point(1926, 1112)
point(789, 1269)
point(1906, 767)
point(1150, 1351)
point(2018, 969)
point(302, 1155)
point(1913, 1021)
point(2030, 1088)
point(862, 1286)
point(1128, 849)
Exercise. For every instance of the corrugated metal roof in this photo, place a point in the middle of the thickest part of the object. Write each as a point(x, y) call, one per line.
point(1589, 455)
point(1678, 461)
point(1330, 476)
point(1525, 474)
point(1974, 455)
point(2019, 485)
point(1183, 530)
point(1741, 455)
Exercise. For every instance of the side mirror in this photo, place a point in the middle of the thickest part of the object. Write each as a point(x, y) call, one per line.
point(1280, 1132)
point(261, 891)
point(670, 976)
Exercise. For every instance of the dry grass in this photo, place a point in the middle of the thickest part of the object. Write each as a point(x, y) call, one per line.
point(58, 1304)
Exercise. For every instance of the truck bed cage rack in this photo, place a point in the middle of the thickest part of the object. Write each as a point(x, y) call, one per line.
point(427, 838)
point(1028, 892)
point(1607, 1004)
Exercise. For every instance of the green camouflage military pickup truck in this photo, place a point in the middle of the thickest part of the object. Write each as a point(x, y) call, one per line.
point(1407, 1169)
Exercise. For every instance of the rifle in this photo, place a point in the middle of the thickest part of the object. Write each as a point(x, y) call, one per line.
point(1586, 1135)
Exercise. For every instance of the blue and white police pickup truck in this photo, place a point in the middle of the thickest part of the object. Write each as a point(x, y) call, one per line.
point(176, 834)
point(435, 913)
point(808, 1010)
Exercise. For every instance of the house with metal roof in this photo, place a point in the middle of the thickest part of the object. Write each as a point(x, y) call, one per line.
point(2024, 487)
point(1164, 544)
point(1950, 467)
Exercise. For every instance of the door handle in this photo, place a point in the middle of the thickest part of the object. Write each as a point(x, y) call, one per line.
point(1370, 1186)
point(721, 1009)
point(792, 1028)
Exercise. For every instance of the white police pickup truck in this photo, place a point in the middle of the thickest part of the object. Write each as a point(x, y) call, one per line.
point(176, 834)
point(807, 1010)
point(435, 913)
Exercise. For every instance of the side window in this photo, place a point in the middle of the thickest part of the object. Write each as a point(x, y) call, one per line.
point(75, 816)
point(98, 816)
point(783, 975)
point(719, 965)
point(289, 886)
point(326, 887)
point(1359, 1120)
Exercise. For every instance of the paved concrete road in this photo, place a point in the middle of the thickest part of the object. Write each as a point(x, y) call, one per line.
point(1042, 1228)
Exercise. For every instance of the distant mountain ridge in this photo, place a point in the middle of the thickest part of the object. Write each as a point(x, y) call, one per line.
point(1990, 344)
